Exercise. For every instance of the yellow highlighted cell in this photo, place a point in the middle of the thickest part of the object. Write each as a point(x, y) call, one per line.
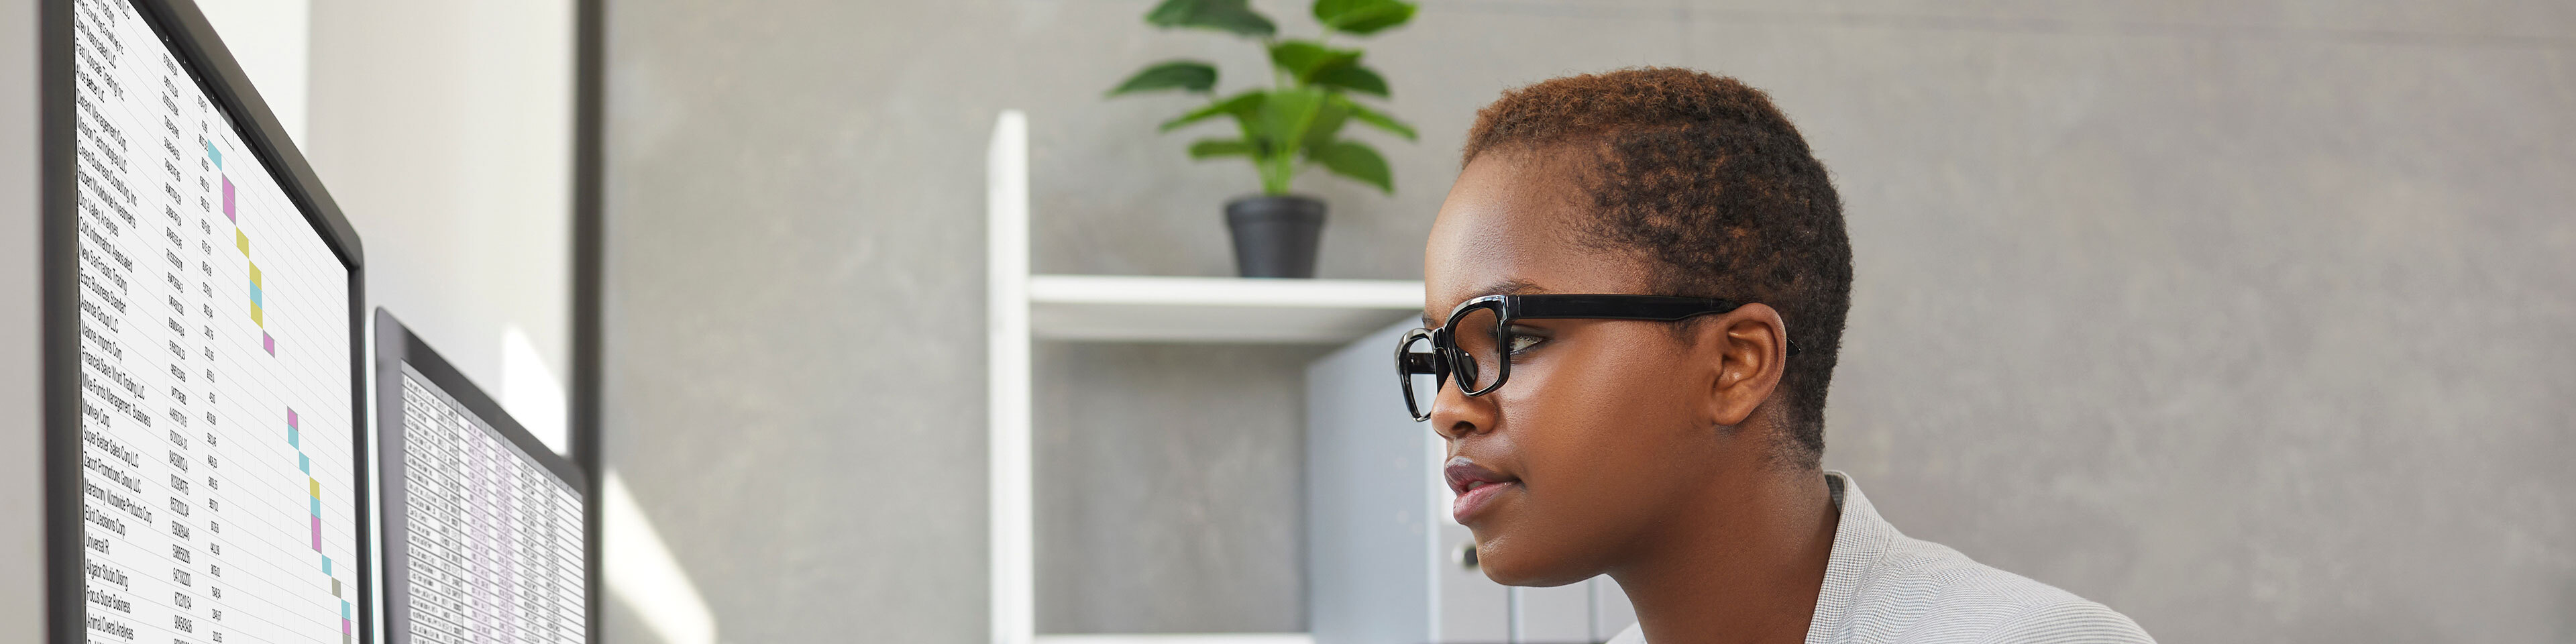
point(242, 241)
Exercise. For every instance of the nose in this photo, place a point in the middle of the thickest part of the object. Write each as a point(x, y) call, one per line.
point(1456, 415)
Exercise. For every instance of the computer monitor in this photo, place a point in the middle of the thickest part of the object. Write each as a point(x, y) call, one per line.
point(203, 416)
point(482, 522)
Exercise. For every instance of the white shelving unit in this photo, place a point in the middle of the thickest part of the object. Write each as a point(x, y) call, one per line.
point(1214, 309)
point(1023, 307)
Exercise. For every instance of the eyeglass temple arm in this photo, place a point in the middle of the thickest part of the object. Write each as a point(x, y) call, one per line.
point(1623, 307)
point(1618, 307)
point(1418, 362)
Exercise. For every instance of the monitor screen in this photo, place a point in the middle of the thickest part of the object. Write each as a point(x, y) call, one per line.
point(217, 421)
point(483, 531)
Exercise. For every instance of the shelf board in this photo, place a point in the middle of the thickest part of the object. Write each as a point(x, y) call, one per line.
point(1181, 638)
point(1117, 308)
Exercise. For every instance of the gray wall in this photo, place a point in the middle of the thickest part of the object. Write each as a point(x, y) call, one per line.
point(2253, 325)
point(2249, 319)
point(793, 313)
point(1171, 493)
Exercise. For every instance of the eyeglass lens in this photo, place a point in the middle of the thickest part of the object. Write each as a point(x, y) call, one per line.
point(1421, 373)
point(1479, 337)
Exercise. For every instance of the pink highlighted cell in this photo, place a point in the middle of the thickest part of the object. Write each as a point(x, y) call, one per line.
point(290, 418)
point(268, 342)
point(317, 533)
point(228, 201)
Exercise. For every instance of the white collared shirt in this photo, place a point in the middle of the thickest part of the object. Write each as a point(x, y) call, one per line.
point(1882, 587)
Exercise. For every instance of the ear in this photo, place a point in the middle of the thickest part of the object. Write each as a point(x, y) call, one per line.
point(1750, 348)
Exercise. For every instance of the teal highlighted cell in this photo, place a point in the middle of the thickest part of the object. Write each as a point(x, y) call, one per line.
point(317, 505)
point(290, 438)
point(326, 565)
point(305, 463)
point(214, 155)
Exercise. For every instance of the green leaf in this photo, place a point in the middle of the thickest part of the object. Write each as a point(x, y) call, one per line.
point(1240, 105)
point(1234, 16)
point(1187, 75)
point(1362, 17)
point(1211, 148)
point(1326, 127)
point(1304, 58)
point(1355, 160)
point(1354, 78)
point(1286, 116)
point(1374, 118)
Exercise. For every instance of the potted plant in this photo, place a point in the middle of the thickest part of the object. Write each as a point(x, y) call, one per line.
point(1292, 124)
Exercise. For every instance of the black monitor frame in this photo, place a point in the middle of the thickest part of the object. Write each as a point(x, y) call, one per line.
point(396, 346)
point(193, 42)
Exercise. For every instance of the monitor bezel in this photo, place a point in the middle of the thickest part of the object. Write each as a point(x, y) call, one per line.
point(397, 347)
point(192, 40)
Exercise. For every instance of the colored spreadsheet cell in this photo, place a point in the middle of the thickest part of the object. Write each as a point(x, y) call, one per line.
point(268, 342)
point(228, 200)
point(258, 313)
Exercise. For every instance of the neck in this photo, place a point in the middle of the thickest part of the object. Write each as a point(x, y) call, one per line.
point(1744, 564)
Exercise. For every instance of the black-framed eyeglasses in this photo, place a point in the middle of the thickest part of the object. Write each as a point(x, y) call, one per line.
point(1475, 344)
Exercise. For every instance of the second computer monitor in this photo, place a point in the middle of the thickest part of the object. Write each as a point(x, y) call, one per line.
point(482, 522)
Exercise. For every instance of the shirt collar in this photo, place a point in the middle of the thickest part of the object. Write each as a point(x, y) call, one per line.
point(1860, 539)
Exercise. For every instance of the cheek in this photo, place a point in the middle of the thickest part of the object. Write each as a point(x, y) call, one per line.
point(1599, 419)
point(1596, 441)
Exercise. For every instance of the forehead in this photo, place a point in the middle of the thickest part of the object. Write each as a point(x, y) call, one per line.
point(1513, 223)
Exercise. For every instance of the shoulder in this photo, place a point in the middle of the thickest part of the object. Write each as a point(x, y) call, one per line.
point(1929, 597)
point(1633, 634)
point(1919, 591)
point(2068, 623)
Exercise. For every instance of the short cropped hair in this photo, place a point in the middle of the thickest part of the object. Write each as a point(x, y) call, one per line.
point(1703, 179)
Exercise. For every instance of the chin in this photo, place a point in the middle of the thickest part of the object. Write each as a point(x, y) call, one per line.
point(1514, 562)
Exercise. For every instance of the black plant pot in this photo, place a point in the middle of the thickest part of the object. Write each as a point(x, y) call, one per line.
point(1275, 236)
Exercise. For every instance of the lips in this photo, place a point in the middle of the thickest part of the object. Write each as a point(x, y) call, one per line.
point(1476, 487)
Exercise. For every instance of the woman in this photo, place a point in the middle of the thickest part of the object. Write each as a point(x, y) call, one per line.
point(1635, 297)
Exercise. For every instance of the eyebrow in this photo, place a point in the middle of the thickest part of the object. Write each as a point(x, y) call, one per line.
point(1505, 287)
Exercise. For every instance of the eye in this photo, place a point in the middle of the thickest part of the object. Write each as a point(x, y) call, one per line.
point(1522, 341)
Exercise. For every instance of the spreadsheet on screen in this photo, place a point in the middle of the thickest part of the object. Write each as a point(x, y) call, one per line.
point(491, 541)
point(218, 463)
